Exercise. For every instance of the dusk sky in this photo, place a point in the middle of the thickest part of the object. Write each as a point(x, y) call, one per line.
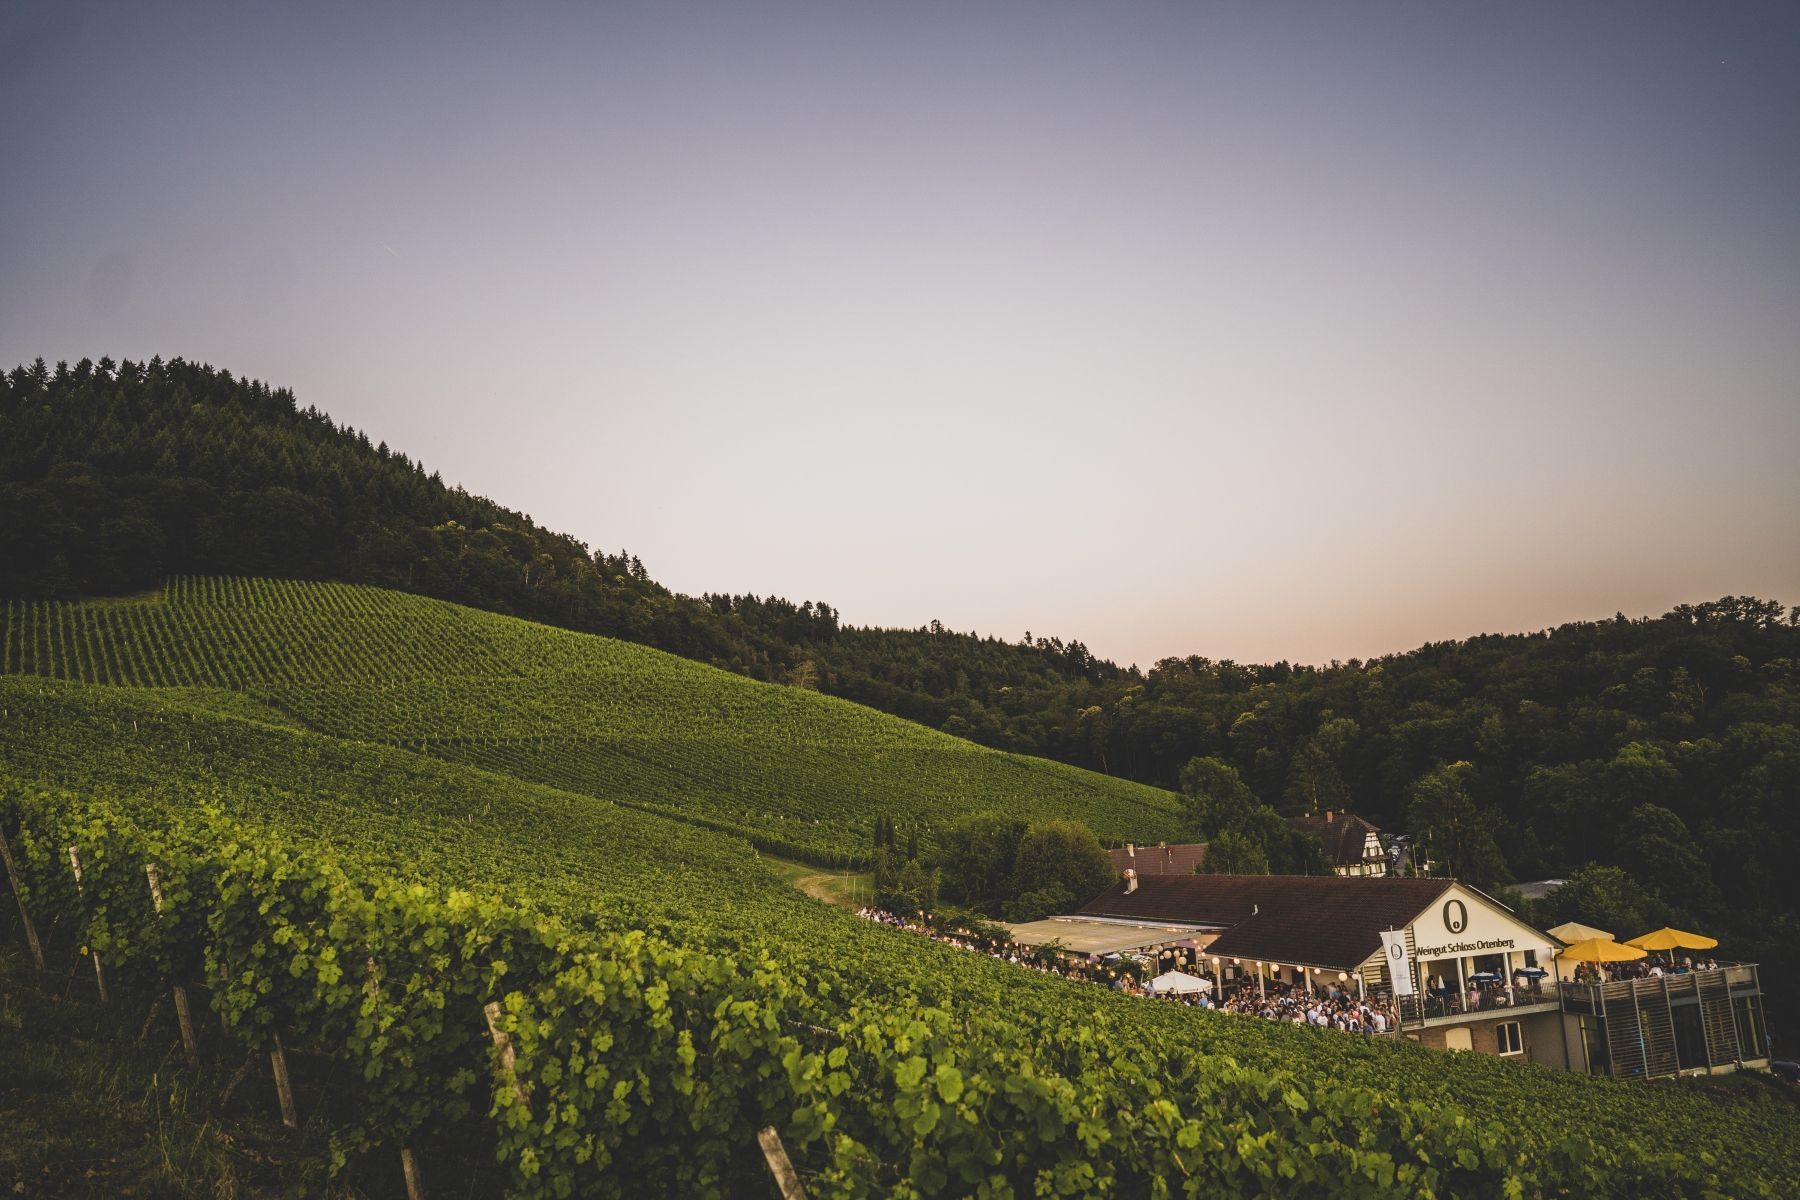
point(1251, 331)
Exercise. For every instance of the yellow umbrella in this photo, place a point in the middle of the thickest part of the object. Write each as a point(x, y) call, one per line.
point(1574, 931)
point(1673, 939)
point(1601, 950)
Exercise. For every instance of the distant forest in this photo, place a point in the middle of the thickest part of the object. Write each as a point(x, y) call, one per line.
point(1655, 760)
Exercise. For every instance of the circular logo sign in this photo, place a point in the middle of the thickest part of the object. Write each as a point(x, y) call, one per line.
point(1456, 916)
point(1397, 952)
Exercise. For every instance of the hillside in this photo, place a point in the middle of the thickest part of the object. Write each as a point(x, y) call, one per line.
point(1128, 1073)
point(1655, 759)
point(785, 767)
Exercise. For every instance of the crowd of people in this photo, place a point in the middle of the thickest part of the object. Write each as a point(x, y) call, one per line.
point(1652, 967)
point(1442, 997)
point(1328, 1006)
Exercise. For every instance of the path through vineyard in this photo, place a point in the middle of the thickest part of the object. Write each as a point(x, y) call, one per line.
point(843, 889)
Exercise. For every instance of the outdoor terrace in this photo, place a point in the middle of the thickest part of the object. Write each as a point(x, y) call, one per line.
point(1649, 1025)
point(1452, 1003)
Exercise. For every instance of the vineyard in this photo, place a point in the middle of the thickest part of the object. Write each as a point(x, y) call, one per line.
point(786, 768)
point(529, 828)
point(640, 1063)
point(384, 823)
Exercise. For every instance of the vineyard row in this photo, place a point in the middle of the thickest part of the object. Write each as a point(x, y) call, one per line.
point(635, 1064)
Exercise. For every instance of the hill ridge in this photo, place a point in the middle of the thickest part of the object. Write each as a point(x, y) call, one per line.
point(789, 769)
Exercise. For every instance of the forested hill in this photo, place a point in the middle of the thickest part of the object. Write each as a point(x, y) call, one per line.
point(115, 476)
point(1668, 747)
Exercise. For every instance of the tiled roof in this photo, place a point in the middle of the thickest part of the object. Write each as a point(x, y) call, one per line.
point(1344, 835)
point(1317, 920)
point(1179, 859)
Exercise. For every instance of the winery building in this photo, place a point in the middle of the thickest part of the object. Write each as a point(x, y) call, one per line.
point(1464, 971)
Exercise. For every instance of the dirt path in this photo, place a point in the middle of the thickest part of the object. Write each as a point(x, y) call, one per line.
point(831, 887)
point(820, 887)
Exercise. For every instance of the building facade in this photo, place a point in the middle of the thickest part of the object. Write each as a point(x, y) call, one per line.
point(1352, 844)
point(1464, 972)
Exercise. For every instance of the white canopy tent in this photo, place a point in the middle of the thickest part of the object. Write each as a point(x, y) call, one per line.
point(1178, 983)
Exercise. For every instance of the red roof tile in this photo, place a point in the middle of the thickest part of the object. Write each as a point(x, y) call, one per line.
point(1179, 859)
point(1317, 920)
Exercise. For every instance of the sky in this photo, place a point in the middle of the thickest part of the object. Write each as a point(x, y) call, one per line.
point(1261, 332)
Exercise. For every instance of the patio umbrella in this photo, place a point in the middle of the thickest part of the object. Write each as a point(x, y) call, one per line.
point(1596, 950)
point(1672, 939)
point(1574, 931)
point(1484, 977)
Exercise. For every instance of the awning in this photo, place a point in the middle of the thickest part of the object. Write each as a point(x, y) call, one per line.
point(1178, 983)
point(1079, 935)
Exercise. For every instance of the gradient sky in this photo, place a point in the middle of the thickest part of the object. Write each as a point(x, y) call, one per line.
point(1253, 331)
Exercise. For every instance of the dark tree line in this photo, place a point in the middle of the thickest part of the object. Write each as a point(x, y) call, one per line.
point(115, 476)
point(1663, 750)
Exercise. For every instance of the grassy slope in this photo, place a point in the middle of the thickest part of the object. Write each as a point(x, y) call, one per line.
point(788, 768)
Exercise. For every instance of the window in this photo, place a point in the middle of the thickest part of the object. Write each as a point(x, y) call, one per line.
point(1507, 1039)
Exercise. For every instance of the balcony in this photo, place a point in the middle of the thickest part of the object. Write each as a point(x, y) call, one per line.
point(1452, 1005)
point(1666, 1024)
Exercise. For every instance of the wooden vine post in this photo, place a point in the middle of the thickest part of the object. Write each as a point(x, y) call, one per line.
point(415, 1188)
point(182, 1016)
point(508, 1058)
point(284, 1087)
point(224, 986)
point(409, 1164)
point(99, 970)
point(780, 1166)
point(18, 889)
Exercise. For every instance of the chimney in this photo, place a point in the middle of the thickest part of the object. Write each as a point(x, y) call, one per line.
point(1130, 850)
point(1130, 881)
point(1328, 816)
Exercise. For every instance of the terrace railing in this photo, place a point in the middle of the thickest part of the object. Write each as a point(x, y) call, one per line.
point(1453, 1003)
point(1638, 1017)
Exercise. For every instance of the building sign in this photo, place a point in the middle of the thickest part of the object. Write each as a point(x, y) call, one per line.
point(1464, 924)
point(1399, 966)
point(1458, 949)
point(1456, 916)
